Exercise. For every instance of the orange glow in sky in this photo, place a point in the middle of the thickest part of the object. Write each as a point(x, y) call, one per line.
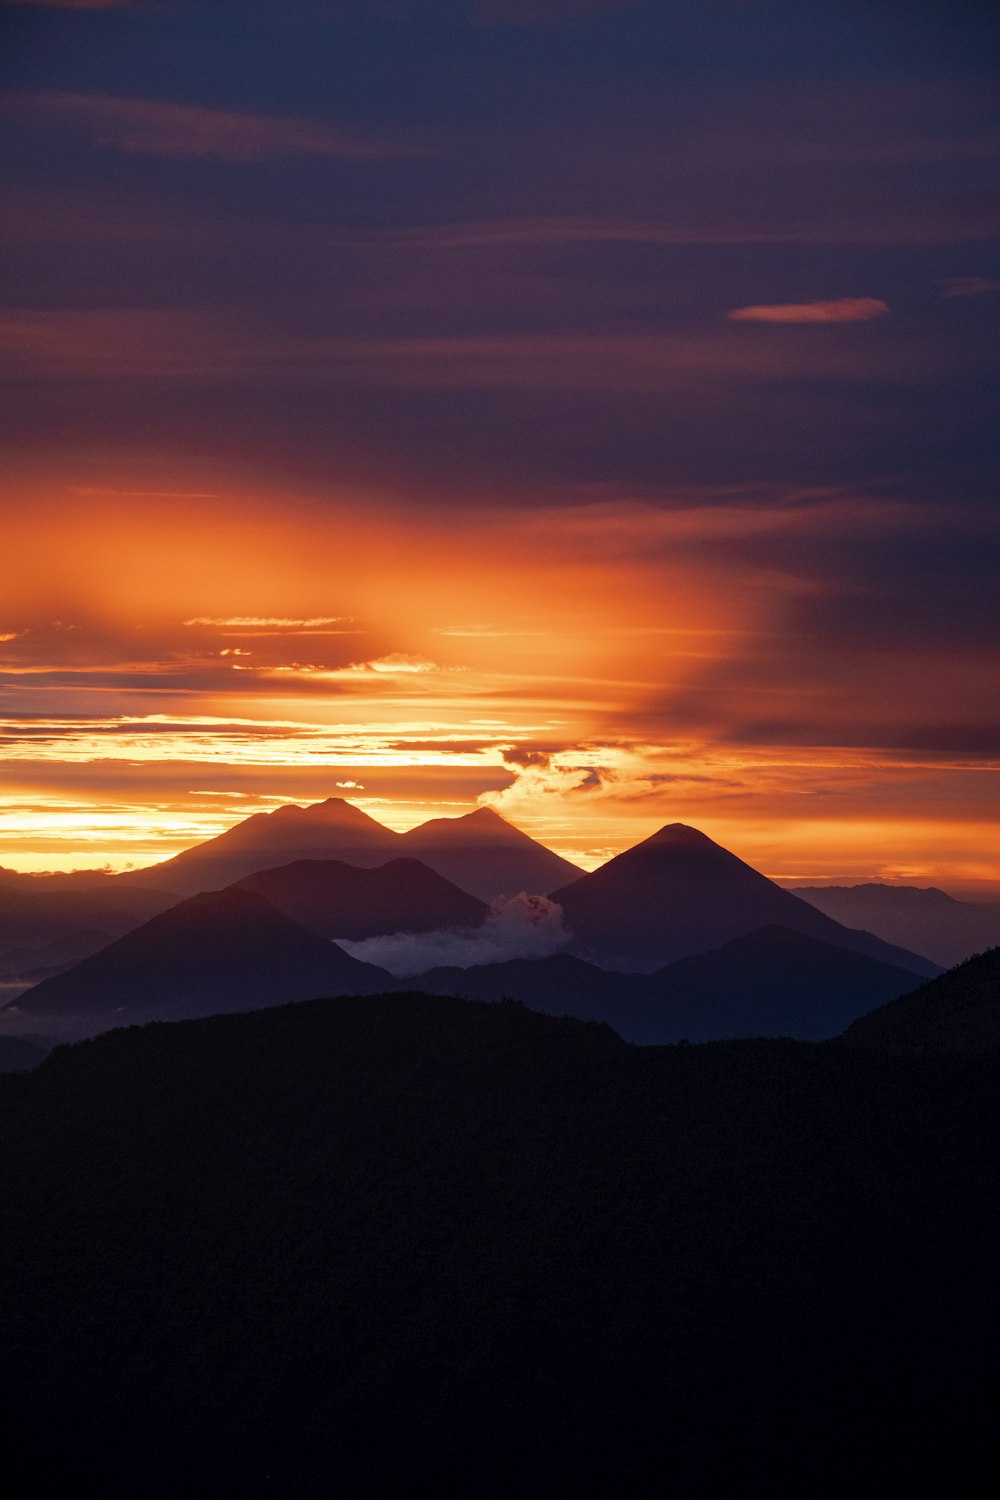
point(177, 661)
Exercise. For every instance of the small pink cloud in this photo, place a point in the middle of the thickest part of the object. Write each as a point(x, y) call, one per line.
point(968, 286)
point(844, 310)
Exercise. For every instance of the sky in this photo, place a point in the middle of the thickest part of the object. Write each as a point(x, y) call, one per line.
point(585, 408)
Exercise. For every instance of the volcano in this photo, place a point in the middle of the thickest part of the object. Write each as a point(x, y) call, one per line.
point(679, 893)
point(486, 855)
point(333, 829)
point(218, 951)
point(338, 900)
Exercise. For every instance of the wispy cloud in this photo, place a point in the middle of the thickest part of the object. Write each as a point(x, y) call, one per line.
point(152, 127)
point(843, 310)
point(268, 622)
point(968, 286)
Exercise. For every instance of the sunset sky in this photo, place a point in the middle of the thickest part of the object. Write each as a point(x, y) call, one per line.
point(578, 406)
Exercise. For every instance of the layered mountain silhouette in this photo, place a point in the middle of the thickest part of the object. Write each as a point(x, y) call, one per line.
point(957, 1012)
point(37, 912)
point(217, 951)
point(333, 829)
point(484, 854)
point(338, 900)
point(403, 1245)
point(680, 893)
point(480, 852)
point(50, 958)
point(923, 918)
point(772, 982)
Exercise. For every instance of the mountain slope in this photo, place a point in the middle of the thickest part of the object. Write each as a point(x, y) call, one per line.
point(679, 893)
point(483, 853)
point(333, 829)
point(925, 919)
point(337, 900)
point(957, 1012)
point(220, 950)
point(772, 982)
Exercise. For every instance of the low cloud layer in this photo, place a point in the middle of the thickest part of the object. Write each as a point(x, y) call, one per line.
point(519, 926)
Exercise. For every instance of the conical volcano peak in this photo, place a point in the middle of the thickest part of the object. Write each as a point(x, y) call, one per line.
point(484, 815)
point(680, 836)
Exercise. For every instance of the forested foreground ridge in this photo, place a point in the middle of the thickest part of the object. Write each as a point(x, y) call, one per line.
point(403, 1244)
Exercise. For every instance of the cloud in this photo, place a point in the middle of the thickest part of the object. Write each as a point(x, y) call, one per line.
point(270, 622)
point(843, 310)
point(396, 662)
point(521, 926)
point(968, 286)
point(152, 127)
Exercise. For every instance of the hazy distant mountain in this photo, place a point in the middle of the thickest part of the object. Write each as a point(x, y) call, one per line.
point(338, 900)
point(679, 893)
point(484, 854)
point(59, 954)
point(36, 915)
point(922, 918)
point(772, 982)
point(333, 829)
point(402, 1246)
point(221, 950)
point(957, 1012)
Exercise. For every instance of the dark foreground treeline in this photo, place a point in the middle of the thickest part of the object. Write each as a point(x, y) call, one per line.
point(404, 1245)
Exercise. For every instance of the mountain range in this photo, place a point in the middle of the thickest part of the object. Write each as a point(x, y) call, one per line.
point(675, 938)
point(480, 852)
point(923, 918)
point(771, 982)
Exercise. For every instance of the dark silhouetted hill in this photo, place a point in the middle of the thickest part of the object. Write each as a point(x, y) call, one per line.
point(403, 1245)
point(773, 982)
point(560, 985)
point(957, 1012)
point(220, 950)
point(483, 853)
point(333, 829)
point(339, 900)
point(924, 919)
point(679, 893)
